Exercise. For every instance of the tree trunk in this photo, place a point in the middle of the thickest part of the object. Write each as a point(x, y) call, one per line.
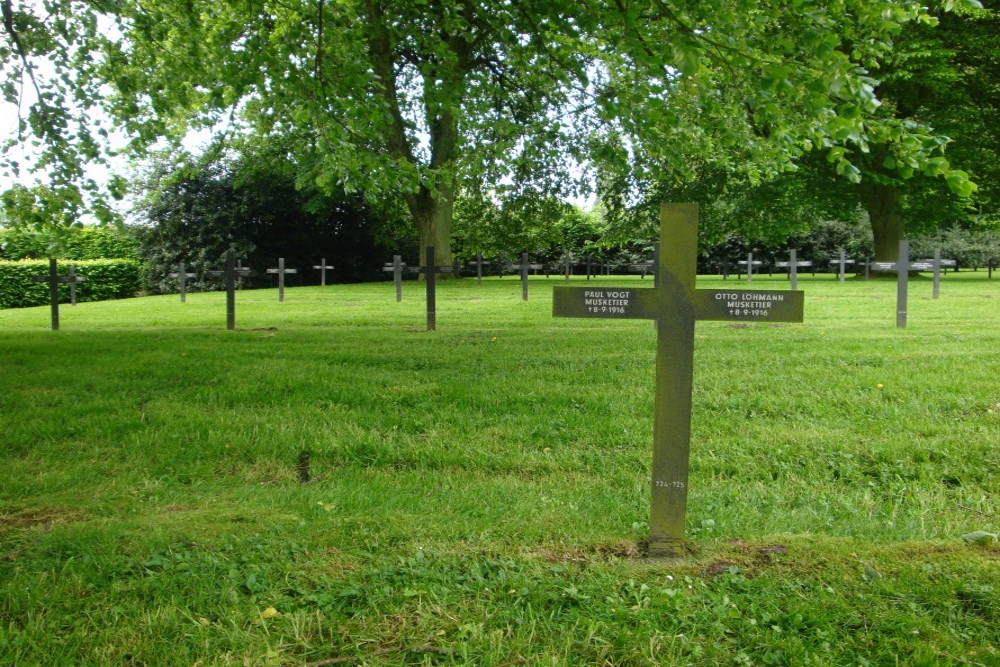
point(433, 217)
point(886, 216)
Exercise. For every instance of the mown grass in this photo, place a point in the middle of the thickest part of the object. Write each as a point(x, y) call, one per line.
point(480, 493)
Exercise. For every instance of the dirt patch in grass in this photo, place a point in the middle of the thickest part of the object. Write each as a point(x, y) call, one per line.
point(18, 519)
point(600, 551)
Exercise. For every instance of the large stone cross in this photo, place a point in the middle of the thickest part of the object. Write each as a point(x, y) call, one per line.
point(675, 305)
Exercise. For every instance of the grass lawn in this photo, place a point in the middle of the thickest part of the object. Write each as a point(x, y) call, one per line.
point(479, 494)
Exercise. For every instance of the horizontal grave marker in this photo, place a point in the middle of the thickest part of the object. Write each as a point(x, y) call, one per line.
point(675, 305)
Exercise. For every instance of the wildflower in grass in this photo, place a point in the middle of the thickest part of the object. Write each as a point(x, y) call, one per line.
point(270, 612)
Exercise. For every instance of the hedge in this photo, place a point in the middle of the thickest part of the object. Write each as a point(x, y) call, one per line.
point(106, 279)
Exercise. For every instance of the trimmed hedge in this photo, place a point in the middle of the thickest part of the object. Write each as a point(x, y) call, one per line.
point(106, 279)
point(79, 243)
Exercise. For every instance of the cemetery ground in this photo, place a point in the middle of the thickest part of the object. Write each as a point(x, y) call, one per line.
point(479, 494)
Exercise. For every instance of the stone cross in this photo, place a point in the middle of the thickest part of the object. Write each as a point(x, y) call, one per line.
point(938, 264)
point(675, 305)
point(396, 268)
point(750, 262)
point(479, 268)
point(430, 270)
point(793, 267)
point(524, 267)
point(322, 266)
point(182, 279)
point(842, 263)
point(568, 263)
point(902, 267)
point(231, 273)
point(53, 279)
point(281, 271)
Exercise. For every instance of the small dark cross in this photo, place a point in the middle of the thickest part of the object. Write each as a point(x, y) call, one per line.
point(53, 279)
point(749, 262)
point(568, 261)
point(902, 267)
point(430, 270)
point(524, 267)
point(182, 279)
point(675, 305)
point(842, 263)
point(281, 271)
point(793, 267)
point(322, 266)
point(231, 273)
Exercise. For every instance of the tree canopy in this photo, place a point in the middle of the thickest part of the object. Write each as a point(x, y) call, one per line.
point(418, 99)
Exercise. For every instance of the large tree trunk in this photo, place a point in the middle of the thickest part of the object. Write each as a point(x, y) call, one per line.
point(886, 216)
point(433, 217)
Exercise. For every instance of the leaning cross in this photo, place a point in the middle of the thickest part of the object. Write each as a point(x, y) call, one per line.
point(53, 279)
point(675, 305)
point(182, 279)
point(322, 266)
point(281, 271)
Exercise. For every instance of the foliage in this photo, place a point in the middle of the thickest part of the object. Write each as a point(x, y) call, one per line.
point(417, 100)
point(105, 279)
point(74, 243)
point(196, 210)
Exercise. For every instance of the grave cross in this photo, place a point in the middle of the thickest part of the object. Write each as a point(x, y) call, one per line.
point(53, 279)
point(396, 268)
point(182, 279)
point(938, 264)
point(231, 274)
point(281, 271)
point(750, 262)
point(842, 263)
point(902, 277)
point(675, 305)
point(430, 270)
point(322, 266)
point(524, 267)
point(793, 267)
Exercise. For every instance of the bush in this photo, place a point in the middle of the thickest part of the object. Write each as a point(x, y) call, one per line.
point(105, 279)
point(74, 243)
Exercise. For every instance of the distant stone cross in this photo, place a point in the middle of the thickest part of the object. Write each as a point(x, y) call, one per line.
point(842, 263)
point(793, 265)
point(322, 266)
point(396, 268)
point(750, 262)
point(231, 273)
point(182, 279)
point(524, 268)
point(281, 271)
point(675, 305)
point(53, 279)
